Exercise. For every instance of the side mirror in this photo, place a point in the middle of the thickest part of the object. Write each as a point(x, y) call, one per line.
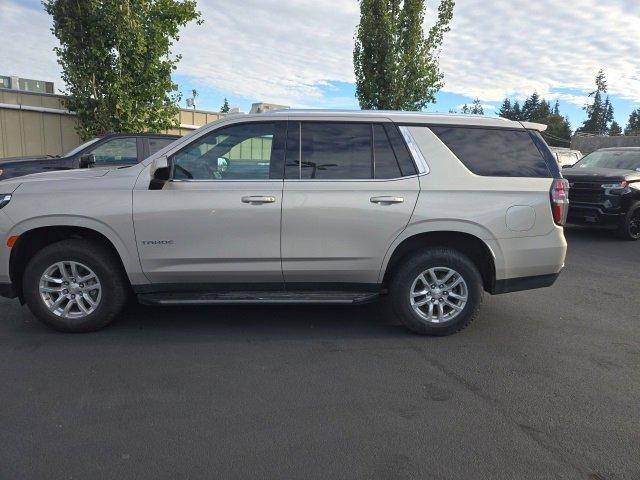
point(87, 161)
point(160, 173)
point(160, 168)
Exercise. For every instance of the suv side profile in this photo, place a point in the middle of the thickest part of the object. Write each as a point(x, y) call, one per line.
point(430, 211)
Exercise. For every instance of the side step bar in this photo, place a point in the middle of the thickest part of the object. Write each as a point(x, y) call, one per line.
point(254, 298)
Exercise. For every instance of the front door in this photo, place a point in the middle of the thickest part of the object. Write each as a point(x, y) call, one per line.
point(350, 190)
point(217, 221)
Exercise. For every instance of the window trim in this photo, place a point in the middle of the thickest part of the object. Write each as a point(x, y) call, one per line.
point(371, 123)
point(276, 124)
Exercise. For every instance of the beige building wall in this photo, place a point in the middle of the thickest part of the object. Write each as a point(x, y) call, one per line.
point(38, 124)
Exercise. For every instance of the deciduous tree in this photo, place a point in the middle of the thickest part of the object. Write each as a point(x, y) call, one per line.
point(117, 62)
point(395, 63)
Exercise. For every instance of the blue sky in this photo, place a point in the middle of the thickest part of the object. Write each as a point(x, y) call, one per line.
point(299, 52)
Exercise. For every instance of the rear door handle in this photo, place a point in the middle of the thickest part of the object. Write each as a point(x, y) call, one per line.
point(257, 199)
point(387, 200)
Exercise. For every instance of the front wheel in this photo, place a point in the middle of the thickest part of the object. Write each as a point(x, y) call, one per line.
point(629, 229)
point(75, 286)
point(437, 292)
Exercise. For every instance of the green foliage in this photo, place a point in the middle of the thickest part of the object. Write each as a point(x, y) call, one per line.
point(615, 129)
point(395, 63)
point(599, 113)
point(476, 108)
point(225, 106)
point(536, 109)
point(116, 61)
point(633, 125)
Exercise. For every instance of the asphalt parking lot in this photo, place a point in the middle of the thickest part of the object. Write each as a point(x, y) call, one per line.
point(545, 384)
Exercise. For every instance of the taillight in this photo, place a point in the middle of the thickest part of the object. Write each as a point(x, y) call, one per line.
point(560, 200)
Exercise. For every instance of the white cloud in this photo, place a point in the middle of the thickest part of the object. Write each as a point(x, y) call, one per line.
point(288, 51)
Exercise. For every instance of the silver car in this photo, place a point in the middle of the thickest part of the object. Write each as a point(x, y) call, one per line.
point(322, 207)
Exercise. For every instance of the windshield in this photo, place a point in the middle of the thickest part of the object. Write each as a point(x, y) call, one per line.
point(81, 147)
point(622, 159)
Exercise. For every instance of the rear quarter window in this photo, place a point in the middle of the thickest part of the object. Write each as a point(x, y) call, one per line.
point(495, 152)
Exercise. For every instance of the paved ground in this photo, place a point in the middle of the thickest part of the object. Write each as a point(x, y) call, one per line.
point(546, 384)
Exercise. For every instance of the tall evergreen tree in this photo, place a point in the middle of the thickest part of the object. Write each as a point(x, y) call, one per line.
point(615, 129)
point(506, 110)
point(476, 108)
point(395, 63)
point(599, 113)
point(556, 108)
point(633, 125)
point(225, 106)
point(531, 106)
point(517, 111)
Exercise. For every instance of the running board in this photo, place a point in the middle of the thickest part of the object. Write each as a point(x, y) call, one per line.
point(253, 298)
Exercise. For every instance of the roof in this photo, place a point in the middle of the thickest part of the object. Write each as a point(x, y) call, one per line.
point(409, 117)
point(630, 149)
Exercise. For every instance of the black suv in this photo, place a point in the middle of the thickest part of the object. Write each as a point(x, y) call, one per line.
point(111, 150)
point(605, 190)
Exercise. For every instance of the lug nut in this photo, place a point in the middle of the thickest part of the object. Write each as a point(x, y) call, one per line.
point(73, 296)
point(65, 292)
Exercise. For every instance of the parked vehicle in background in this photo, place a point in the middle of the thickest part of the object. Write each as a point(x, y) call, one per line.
point(112, 150)
point(605, 191)
point(566, 156)
point(306, 207)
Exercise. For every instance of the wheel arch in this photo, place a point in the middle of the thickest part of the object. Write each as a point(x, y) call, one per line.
point(32, 240)
point(467, 243)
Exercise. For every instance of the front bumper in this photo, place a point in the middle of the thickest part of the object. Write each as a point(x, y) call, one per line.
point(593, 214)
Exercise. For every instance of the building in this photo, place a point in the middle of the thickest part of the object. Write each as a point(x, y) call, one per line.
point(263, 107)
point(37, 123)
point(25, 84)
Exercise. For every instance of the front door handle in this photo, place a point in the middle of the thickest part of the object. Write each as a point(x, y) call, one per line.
point(258, 200)
point(387, 200)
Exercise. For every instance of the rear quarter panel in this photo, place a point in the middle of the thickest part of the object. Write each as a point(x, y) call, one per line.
point(452, 198)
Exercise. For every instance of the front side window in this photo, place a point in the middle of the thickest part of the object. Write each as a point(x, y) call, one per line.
point(238, 152)
point(494, 152)
point(119, 151)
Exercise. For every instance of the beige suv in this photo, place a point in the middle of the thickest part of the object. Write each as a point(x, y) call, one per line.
point(313, 207)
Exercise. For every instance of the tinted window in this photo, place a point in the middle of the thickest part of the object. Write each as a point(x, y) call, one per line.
point(494, 152)
point(337, 151)
point(386, 164)
point(239, 152)
point(119, 151)
point(400, 149)
point(156, 144)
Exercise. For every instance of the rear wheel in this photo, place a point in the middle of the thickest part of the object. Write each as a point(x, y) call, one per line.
point(437, 292)
point(75, 286)
point(629, 229)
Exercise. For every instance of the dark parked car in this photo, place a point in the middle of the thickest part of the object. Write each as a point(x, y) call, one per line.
point(112, 150)
point(605, 190)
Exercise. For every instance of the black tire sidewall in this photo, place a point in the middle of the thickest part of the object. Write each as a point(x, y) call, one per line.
point(98, 259)
point(409, 271)
point(624, 229)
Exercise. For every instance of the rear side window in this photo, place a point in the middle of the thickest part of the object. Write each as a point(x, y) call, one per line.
point(495, 152)
point(157, 144)
point(385, 162)
point(336, 151)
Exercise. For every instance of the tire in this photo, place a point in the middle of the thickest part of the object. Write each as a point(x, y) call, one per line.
point(629, 228)
point(107, 289)
point(441, 261)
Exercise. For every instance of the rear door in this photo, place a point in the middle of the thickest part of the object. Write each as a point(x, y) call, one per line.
point(350, 189)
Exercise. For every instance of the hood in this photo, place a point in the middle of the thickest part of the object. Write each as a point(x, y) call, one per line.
point(12, 184)
point(27, 159)
point(599, 174)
